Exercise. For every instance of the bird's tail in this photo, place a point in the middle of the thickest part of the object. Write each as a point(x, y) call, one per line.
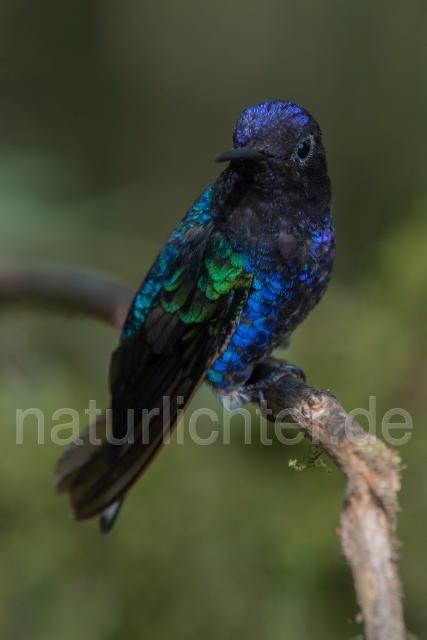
point(90, 451)
point(97, 472)
point(90, 445)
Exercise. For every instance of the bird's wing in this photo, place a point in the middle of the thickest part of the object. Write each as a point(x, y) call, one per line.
point(181, 319)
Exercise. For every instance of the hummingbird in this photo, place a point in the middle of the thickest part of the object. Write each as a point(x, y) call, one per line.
point(240, 272)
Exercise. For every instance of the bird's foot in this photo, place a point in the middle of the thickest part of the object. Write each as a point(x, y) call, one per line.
point(265, 381)
point(261, 381)
point(256, 389)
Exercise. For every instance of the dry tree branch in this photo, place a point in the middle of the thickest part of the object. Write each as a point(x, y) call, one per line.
point(368, 520)
point(53, 287)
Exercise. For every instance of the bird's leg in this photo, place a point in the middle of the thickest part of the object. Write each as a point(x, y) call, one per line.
point(256, 389)
point(263, 376)
point(264, 381)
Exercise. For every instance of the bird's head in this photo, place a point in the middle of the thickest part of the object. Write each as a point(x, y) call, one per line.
point(278, 145)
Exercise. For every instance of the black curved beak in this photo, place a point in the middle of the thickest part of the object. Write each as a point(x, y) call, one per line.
point(242, 153)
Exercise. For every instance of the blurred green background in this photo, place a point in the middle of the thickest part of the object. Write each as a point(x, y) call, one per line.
point(111, 113)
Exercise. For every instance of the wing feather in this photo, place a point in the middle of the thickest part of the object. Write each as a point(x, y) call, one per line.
point(186, 311)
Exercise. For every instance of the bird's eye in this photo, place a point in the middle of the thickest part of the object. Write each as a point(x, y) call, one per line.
point(304, 149)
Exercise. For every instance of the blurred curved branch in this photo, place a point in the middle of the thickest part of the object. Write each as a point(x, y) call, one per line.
point(53, 287)
point(368, 519)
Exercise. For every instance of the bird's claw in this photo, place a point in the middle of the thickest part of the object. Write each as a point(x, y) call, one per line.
point(283, 369)
point(297, 372)
point(256, 389)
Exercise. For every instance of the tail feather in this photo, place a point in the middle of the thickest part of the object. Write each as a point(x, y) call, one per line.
point(109, 516)
point(80, 453)
point(97, 473)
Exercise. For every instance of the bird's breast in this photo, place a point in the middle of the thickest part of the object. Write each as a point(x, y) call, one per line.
point(291, 269)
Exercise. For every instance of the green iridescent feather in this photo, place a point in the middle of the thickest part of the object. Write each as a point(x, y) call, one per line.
point(221, 271)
